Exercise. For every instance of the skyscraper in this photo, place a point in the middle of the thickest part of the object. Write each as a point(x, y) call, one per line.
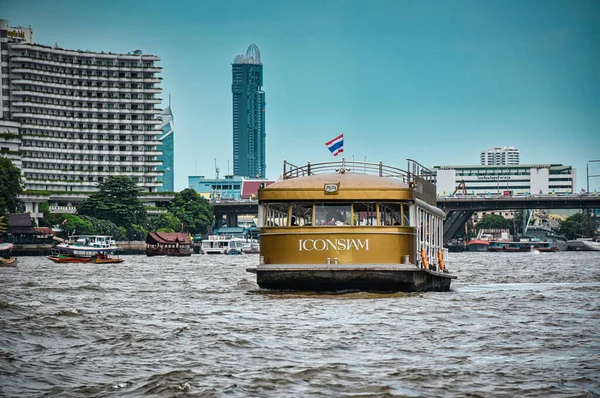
point(249, 158)
point(500, 156)
point(167, 139)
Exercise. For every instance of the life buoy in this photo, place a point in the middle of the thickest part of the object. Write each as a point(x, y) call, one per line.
point(441, 260)
point(424, 259)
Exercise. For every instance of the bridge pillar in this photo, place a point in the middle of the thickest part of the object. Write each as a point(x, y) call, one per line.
point(232, 220)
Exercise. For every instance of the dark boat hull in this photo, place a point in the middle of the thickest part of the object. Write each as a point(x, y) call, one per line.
point(383, 279)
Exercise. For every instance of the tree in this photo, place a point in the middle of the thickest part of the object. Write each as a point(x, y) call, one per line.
point(3, 225)
point(49, 219)
point(166, 222)
point(577, 226)
point(493, 221)
point(10, 187)
point(194, 211)
point(116, 201)
point(105, 227)
point(76, 225)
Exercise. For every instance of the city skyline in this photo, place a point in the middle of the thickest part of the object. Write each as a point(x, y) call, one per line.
point(434, 81)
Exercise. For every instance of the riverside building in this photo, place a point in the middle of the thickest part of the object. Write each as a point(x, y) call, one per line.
point(82, 115)
point(249, 138)
point(518, 179)
point(71, 118)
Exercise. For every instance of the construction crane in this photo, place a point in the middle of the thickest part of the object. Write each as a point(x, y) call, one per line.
point(460, 185)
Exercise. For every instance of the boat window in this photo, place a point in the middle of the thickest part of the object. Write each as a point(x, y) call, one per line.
point(301, 214)
point(333, 213)
point(277, 214)
point(390, 213)
point(406, 214)
point(365, 213)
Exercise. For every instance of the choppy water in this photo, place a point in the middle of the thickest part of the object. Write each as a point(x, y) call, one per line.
point(514, 325)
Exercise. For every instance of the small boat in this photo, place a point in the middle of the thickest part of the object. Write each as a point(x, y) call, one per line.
point(97, 249)
point(222, 244)
point(251, 248)
point(6, 260)
point(478, 245)
point(338, 226)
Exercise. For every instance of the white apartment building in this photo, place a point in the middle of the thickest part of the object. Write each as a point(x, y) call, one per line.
point(81, 116)
point(496, 156)
point(519, 179)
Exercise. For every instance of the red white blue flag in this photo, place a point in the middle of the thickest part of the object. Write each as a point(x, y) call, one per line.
point(336, 145)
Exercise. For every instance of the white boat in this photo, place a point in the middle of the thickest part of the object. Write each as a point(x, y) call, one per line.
point(86, 248)
point(222, 244)
point(584, 244)
point(251, 248)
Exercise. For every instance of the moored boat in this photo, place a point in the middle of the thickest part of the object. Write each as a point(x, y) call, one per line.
point(222, 244)
point(521, 247)
point(325, 227)
point(584, 244)
point(176, 244)
point(6, 259)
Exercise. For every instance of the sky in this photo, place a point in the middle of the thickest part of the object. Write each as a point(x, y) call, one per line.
point(435, 81)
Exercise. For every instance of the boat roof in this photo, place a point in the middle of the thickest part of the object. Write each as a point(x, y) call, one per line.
point(6, 246)
point(167, 237)
point(348, 186)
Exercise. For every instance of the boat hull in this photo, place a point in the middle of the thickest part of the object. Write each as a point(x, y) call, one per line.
point(68, 260)
point(477, 247)
point(8, 262)
point(583, 245)
point(364, 277)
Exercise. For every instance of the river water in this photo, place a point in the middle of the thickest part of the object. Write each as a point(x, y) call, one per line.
point(514, 325)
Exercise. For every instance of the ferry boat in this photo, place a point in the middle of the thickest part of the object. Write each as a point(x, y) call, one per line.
point(98, 249)
point(6, 260)
point(351, 226)
point(222, 244)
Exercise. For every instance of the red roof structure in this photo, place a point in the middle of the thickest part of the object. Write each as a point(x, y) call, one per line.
point(164, 238)
point(250, 187)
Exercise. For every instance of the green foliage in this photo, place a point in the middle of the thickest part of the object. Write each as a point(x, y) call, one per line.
point(10, 187)
point(105, 227)
point(164, 230)
point(577, 226)
point(194, 211)
point(166, 221)
point(136, 232)
point(493, 221)
point(3, 225)
point(77, 224)
point(117, 201)
point(49, 219)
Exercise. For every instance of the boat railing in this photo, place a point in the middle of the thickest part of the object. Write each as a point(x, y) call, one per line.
point(406, 176)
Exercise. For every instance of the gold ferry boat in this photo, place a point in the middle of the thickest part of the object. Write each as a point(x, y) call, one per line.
point(351, 226)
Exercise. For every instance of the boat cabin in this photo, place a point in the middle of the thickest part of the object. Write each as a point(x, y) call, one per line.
point(344, 216)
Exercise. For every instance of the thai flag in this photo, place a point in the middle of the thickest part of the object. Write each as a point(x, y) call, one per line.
point(336, 145)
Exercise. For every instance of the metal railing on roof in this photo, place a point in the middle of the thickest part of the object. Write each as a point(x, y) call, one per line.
point(345, 166)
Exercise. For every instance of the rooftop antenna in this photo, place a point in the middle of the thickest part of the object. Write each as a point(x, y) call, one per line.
point(216, 170)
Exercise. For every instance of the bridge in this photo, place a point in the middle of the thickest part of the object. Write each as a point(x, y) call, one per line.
point(458, 208)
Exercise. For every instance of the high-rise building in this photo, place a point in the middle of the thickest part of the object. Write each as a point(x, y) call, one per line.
point(82, 116)
point(249, 146)
point(167, 146)
point(500, 156)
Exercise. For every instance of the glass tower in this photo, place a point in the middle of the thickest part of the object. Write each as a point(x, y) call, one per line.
point(248, 115)
point(167, 139)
